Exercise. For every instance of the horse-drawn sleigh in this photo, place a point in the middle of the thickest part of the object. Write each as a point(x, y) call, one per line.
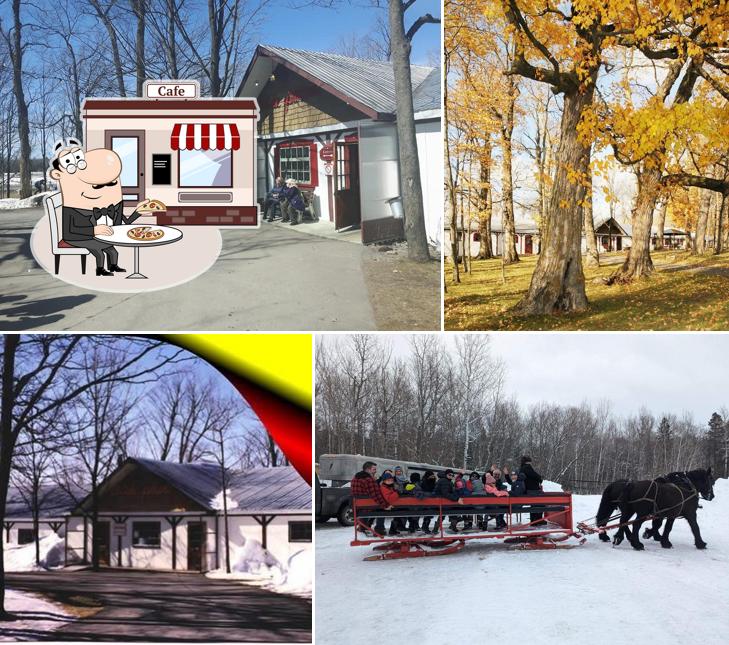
point(664, 498)
point(547, 532)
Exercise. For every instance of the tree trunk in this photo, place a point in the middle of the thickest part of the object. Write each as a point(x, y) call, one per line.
point(558, 284)
point(114, 44)
point(7, 442)
point(171, 39)
point(507, 187)
point(215, 36)
point(699, 246)
point(722, 238)
point(449, 178)
point(661, 223)
point(16, 54)
point(639, 264)
point(593, 256)
point(140, 11)
point(412, 193)
point(485, 206)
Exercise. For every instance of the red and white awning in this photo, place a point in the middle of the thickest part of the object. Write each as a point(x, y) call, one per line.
point(205, 136)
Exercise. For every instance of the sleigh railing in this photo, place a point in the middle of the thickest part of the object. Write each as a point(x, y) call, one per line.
point(555, 507)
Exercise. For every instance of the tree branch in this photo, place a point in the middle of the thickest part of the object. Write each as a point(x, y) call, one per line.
point(423, 20)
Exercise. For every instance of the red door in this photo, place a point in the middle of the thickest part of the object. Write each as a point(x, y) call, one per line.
point(346, 195)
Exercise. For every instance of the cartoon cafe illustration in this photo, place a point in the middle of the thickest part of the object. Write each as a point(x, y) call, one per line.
point(196, 155)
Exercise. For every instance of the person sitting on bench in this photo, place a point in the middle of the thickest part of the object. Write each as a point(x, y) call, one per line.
point(489, 484)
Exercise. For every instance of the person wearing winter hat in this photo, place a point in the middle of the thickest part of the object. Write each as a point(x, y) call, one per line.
point(491, 489)
point(533, 483)
point(427, 486)
point(476, 490)
point(387, 488)
point(444, 488)
point(412, 487)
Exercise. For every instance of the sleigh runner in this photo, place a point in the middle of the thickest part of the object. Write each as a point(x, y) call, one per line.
point(548, 532)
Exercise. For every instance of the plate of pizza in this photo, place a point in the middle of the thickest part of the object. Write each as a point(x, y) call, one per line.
point(145, 234)
point(151, 206)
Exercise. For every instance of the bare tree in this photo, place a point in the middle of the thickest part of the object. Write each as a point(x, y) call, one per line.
point(40, 374)
point(13, 36)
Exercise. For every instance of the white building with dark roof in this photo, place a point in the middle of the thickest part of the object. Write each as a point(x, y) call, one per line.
point(168, 516)
point(329, 122)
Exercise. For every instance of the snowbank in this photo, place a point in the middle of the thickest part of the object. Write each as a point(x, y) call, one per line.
point(551, 486)
point(12, 203)
point(298, 576)
point(35, 615)
point(252, 564)
point(22, 558)
point(594, 593)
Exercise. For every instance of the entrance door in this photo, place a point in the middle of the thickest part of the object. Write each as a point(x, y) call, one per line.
point(346, 196)
point(129, 145)
point(102, 537)
point(195, 542)
point(528, 246)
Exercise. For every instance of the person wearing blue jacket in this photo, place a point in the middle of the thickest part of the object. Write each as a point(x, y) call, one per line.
point(295, 202)
point(273, 199)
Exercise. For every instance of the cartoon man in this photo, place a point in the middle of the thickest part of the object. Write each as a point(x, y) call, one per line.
point(90, 191)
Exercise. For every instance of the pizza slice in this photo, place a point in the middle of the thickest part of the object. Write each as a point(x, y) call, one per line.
point(151, 206)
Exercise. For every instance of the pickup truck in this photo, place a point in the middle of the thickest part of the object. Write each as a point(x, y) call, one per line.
point(333, 501)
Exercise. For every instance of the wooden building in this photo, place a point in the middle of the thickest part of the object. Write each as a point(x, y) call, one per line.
point(168, 516)
point(329, 122)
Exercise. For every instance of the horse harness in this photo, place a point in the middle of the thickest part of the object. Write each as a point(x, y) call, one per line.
point(654, 500)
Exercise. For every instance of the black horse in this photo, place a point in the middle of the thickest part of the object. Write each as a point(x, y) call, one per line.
point(661, 498)
point(654, 531)
point(611, 500)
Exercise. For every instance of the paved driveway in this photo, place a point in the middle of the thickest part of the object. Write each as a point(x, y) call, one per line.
point(153, 606)
point(270, 279)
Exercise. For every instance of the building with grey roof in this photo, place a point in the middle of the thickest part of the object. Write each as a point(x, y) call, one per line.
point(329, 122)
point(169, 516)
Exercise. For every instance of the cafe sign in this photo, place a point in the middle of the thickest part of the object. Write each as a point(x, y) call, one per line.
point(171, 89)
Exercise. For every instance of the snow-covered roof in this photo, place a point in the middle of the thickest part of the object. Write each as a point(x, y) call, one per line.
point(257, 489)
point(54, 502)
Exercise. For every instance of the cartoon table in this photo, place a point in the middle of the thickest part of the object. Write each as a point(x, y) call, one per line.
point(120, 238)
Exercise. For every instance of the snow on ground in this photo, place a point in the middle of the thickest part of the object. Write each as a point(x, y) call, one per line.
point(12, 203)
point(35, 615)
point(22, 558)
point(594, 593)
point(252, 564)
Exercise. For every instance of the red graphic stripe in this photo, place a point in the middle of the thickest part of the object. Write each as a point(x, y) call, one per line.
point(176, 136)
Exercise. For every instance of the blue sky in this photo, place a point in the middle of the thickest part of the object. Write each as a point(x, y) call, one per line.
point(320, 29)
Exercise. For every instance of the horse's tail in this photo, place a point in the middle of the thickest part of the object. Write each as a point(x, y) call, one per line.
point(611, 498)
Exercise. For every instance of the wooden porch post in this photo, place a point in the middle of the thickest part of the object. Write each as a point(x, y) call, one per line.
point(264, 521)
point(174, 521)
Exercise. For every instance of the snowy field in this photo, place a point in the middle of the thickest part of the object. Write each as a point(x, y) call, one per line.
point(594, 593)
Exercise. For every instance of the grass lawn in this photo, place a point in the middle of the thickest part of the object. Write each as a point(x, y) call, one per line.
point(684, 293)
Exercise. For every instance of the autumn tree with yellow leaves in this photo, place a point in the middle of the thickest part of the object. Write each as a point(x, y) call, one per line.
point(670, 138)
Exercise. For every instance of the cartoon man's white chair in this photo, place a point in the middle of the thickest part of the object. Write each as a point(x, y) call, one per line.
point(58, 246)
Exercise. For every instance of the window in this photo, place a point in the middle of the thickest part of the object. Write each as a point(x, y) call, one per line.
point(299, 531)
point(295, 163)
point(146, 534)
point(206, 169)
point(26, 536)
point(128, 150)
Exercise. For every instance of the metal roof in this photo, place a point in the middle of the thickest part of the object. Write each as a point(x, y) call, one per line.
point(257, 489)
point(53, 500)
point(369, 82)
